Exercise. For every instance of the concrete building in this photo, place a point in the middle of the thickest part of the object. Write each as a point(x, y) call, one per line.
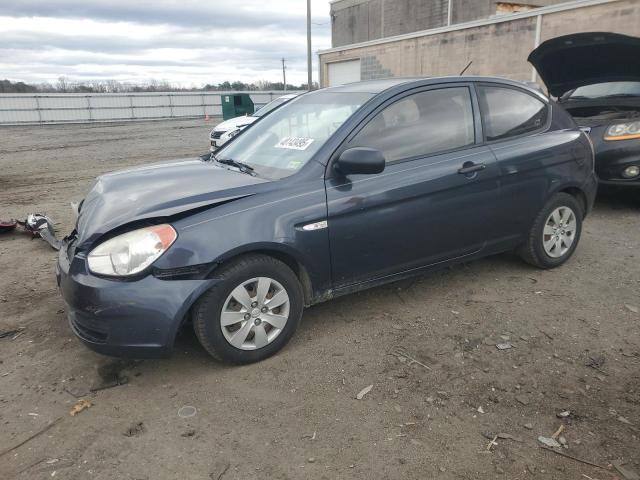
point(355, 21)
point(386, 38)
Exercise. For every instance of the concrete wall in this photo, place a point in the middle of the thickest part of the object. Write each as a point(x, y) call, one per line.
point(355, 21)
point(499, 48)
point(30, 108)
point(468, 10)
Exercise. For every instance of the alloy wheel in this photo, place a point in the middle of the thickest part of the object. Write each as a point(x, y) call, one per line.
point(559, 232)
point(255, 313)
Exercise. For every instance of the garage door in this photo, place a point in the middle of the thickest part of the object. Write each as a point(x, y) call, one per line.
point(344, 72)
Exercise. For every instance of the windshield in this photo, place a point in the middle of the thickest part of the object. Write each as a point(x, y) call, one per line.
point(283, 142)
point(608, 89)
point(270, 106)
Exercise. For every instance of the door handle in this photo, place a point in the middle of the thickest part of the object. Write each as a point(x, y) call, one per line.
point(470, 167)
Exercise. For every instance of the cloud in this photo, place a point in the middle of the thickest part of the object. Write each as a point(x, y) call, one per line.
point(189, 13)
point(185, 42)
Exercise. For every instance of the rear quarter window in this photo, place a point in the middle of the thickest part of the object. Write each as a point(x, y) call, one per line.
point(507, 112)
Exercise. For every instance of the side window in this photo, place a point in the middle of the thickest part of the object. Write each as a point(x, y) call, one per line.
point(508, 113)
point(421, 124)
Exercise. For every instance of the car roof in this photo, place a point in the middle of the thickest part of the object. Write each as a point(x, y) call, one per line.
point(379, 86)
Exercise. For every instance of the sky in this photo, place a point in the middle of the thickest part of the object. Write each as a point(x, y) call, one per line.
point(185, 42)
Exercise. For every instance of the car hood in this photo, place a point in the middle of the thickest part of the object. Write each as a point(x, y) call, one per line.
point(159, 190)
point(572, 61)
point(234, 123)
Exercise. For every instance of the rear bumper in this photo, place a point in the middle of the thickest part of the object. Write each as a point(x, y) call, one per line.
point(137, 319)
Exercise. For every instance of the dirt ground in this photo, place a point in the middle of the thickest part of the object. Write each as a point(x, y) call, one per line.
point(574, 332)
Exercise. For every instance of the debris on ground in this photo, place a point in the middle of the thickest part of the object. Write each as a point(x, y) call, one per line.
point(81, 405)
point(566, 455)
point(522, 399)
point(214, 476)
point(625, 472)
point(363, 392)
point(624, 420)
point(12, 333)
point(44, 429)
point(7, 226)
point(41, 226)
point(492, 442)
point(632, 308)
point(188, 433)
point(504, 346)
point(187, 411)
point(549, 442)
point(508, 436)
point(563, 414)
point(595, 360)
point(402, 355)
point(135, 429)
point(558, 432)
point(528, 426)
point(117, 382)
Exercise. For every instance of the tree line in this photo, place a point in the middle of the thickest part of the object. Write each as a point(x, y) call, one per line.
point(64, 85)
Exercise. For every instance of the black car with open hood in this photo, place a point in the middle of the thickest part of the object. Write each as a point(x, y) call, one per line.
point(596, 78)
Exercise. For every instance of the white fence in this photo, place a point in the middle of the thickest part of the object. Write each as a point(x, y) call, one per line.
point(43, 108)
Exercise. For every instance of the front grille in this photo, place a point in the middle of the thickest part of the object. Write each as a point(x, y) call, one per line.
point(217, 134)
point(88, 330)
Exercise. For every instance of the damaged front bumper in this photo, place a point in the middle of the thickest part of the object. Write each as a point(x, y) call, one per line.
point(136, 319)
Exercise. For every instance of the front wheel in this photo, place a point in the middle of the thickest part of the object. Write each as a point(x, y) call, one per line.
point(252, 313)
point(555, 232)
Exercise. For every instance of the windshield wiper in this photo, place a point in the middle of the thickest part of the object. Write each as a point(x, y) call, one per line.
point(243, 167)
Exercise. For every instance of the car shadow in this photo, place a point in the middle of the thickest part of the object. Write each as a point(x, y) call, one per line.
point(618, 199)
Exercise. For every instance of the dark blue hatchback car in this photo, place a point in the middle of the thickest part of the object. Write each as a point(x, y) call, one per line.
point(339, 190)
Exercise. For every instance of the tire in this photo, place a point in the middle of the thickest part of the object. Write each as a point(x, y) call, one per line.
point(243, 340)
point(534, 250)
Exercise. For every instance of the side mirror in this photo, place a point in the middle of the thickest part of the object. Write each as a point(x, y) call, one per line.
point(361, 160)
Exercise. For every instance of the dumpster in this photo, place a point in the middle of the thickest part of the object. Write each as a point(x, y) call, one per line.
point(236, 105)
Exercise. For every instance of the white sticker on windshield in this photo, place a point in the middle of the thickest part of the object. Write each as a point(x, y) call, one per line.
point(294, 143)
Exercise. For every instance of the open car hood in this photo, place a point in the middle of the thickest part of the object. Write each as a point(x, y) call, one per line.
point(572, 61)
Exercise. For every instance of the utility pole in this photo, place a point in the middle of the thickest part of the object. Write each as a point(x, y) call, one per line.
point(284, 75)
point(309, 64)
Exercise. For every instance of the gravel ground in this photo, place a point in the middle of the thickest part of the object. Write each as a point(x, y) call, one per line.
point(574, 331)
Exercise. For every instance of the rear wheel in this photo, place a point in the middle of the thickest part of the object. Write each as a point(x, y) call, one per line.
point(252, 313)
point(555, 232)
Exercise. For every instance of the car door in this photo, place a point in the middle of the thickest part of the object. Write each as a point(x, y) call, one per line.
point(531, 156)
point(434, 200)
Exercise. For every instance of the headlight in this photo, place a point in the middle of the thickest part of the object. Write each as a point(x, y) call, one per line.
point(233, 134)
point(623, 131)
point(131, 252)
point(631, 172)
